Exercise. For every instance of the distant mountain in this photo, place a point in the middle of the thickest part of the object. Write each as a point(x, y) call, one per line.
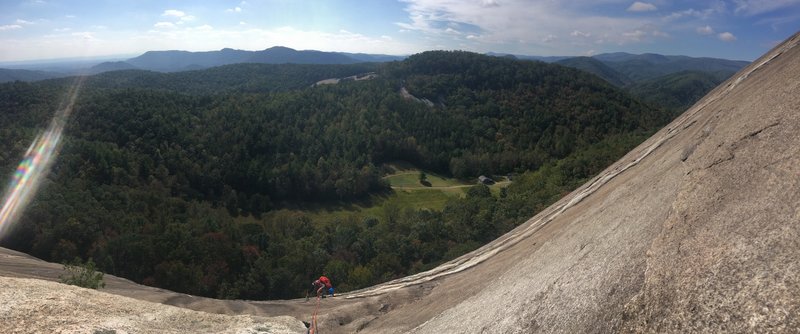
point(615, 56)
point(648, 66)
point(598, 68)
point(670, 82)
point(284, 55)
point(172, 61)
point(175, 61)
point(633, 68)
point(111, 66)
point(8, 75)
point(373, 58)
point(546, 59)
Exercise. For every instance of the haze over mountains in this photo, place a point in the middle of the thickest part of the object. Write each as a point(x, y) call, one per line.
point(619, 68)
point(175, 61)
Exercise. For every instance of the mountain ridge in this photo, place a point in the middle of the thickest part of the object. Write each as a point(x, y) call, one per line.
point(177, 60)
point(622, 69)
point(180, 60)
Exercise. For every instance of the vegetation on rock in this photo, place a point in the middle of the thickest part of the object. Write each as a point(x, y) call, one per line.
point(81, 274)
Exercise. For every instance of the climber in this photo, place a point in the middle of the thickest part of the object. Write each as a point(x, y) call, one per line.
point(322, 285)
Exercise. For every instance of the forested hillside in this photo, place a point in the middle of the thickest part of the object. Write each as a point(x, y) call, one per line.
point(165, 178)
point(673, 83)
point(597, 68)
point(678, 91)
point(8, 75)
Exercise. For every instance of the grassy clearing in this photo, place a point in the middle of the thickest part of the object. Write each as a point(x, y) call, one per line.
point(411, 179)
point(376, 205)
point(407, 192)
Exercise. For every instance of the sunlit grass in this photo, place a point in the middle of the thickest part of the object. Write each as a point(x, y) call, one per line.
point(411, 179)
point(407, 192)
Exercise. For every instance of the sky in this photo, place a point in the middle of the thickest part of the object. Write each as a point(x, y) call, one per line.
point(734, 29)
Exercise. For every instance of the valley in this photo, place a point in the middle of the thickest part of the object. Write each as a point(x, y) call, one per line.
point(216, 180)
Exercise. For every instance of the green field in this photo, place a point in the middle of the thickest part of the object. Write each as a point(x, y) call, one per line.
point(407, 192)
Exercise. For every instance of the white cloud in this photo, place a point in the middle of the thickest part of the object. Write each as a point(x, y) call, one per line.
point(707, 30)
point(641, 7)
point(756, 7)
point(490, 3)
point(578, 33)
point(164, 25)
point(173, 12)
point(472, 37)
point(10, 27)
point(258, 39)
point(70, 16)
point(659, 33)
point(85, 35)
point(634, 36)
point(726, 37)
point(234, 10)
point(180, 15)
point(452, 31)
point(717, 8)
point(61, 29)
point(386, 37)
point(549, 38)
point(242, 23)
point(511, 21)
point(21, 21)
point(204, 27)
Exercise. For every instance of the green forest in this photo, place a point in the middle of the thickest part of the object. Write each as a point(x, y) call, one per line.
point(166, 178)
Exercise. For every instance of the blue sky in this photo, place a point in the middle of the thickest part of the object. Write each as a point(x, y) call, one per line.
point(734, 29)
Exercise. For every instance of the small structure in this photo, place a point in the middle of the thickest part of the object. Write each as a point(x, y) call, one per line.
point(485, 180)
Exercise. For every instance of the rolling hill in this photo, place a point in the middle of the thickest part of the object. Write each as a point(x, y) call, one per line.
point(622, 69)
point(678, 91)
point(598, 68)
point(670, 82)
point(649, 66)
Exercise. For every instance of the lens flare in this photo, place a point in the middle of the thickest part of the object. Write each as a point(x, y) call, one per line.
point(34, 166)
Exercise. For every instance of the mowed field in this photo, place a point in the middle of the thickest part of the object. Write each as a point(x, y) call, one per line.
point(407, 192)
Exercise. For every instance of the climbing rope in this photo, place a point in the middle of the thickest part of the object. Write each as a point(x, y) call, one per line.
point(313, 329)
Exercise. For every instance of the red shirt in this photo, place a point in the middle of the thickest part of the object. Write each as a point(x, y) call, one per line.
point(325, 281)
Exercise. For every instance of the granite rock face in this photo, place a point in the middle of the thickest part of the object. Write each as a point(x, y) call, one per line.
point(726, 259)
point(696, 230)
point(38, 306)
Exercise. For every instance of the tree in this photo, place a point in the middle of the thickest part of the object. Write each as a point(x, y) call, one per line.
point(84, 275)
point(423, 179)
